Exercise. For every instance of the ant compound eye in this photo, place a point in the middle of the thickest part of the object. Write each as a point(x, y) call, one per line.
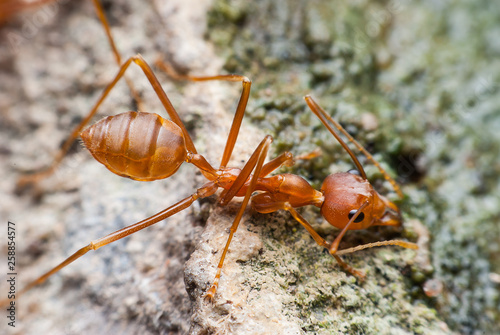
point(360, 217)
point(355, 172)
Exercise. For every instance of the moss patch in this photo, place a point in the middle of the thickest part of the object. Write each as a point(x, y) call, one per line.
point(429, 75)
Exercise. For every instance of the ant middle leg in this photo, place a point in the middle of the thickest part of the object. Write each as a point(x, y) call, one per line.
point(255, 163)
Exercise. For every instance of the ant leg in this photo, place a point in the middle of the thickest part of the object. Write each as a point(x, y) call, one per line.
point(104, 22)
point(240, 110)
point(10, 8)
point(285, 158)
point(261, 203)
point(244, 174)
point(310, 155)
point(356, 273)
point(260, 155)
point(321, 241)
point(333, 247)
point(139, 60)
point(324, 118)
point(207, 190)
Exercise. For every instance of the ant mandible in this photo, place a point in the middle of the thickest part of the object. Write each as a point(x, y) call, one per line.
point(147, 147)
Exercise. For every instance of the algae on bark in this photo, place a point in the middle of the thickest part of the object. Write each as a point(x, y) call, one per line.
point(430, 74)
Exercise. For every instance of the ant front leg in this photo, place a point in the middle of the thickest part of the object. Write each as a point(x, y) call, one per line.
point(255, 163)
point(264, 203)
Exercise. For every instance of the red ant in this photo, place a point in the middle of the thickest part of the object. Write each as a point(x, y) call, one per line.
point(147, 147)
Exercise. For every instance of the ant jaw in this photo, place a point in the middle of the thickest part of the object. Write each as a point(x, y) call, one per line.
point(388, 213)
point(391, 217)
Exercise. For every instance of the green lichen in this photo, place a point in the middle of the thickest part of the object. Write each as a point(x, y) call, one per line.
point(430, 75)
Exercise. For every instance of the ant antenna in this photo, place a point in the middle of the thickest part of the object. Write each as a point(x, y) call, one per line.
point(324, 118)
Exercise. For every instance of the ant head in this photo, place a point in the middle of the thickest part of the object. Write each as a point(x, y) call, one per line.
point(345, 193)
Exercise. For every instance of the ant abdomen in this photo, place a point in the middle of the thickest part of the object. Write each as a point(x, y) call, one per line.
point(140, 146)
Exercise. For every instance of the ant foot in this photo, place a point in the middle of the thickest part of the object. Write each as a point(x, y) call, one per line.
point(209, 296)
point(25, 183)
point(361, 275)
